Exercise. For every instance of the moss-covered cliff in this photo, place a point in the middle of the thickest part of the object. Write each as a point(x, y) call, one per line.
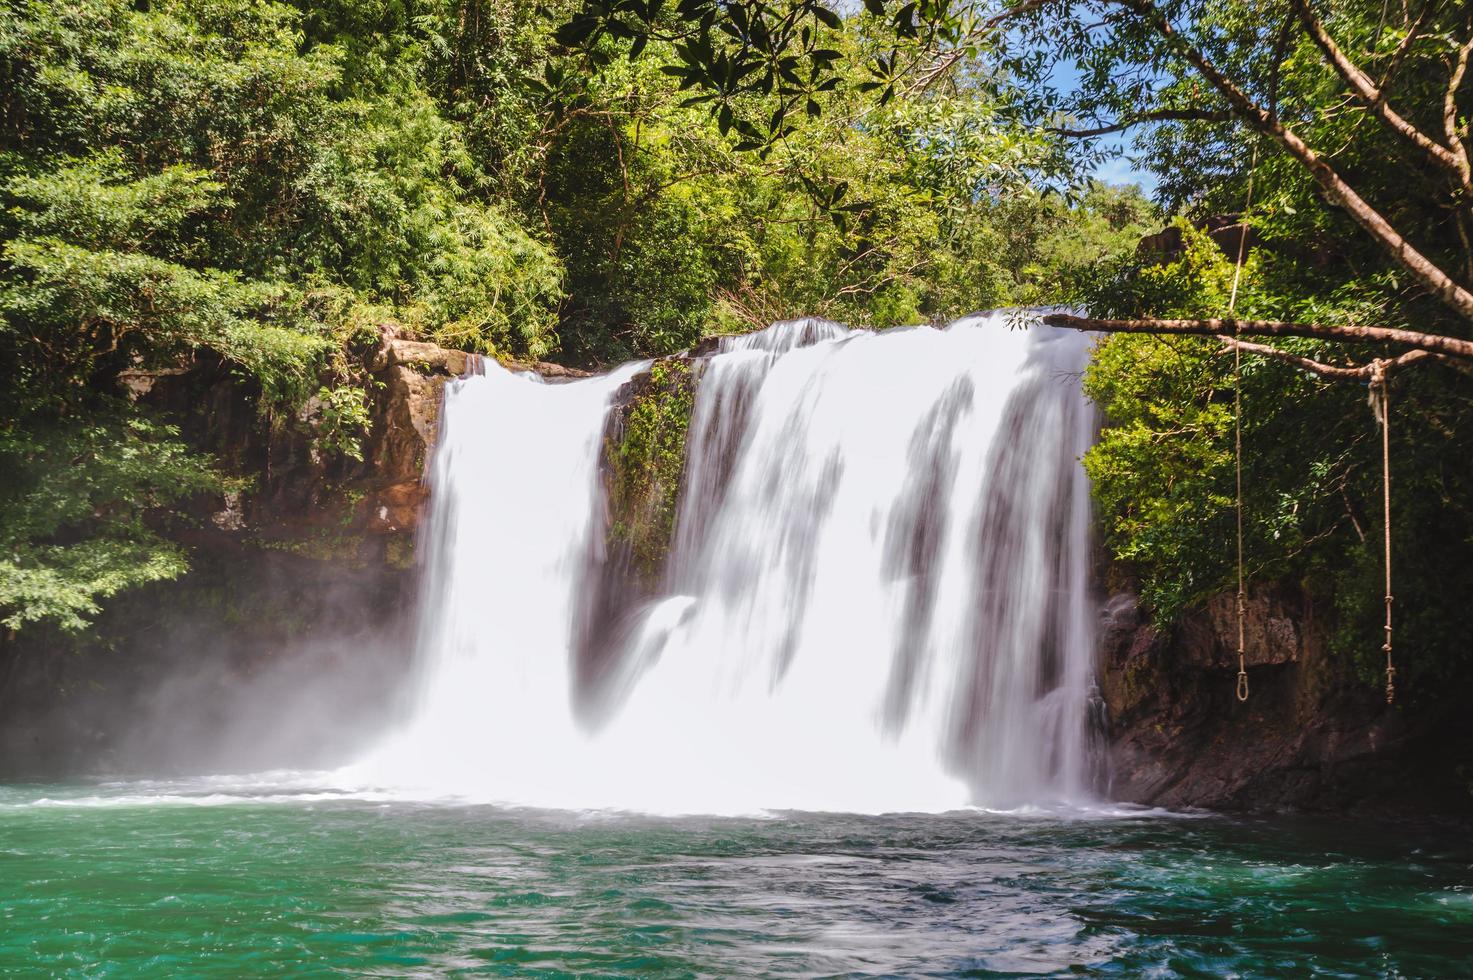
point(644, 464)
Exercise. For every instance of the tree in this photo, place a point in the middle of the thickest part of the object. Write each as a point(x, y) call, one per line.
point(189, 176)
point(1360, 224)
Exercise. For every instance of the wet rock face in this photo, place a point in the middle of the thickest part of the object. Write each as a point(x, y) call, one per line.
point(1312, 735)
point(301, 499)
point(406, 422)
point(642, 465)
point(1270, 635)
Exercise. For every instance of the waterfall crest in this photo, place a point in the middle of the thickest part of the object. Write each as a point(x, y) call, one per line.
point(876, 598)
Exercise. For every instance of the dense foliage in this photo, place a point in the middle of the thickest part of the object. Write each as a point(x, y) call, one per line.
point(1312, 461)
point(185, 178)
point(268, 183)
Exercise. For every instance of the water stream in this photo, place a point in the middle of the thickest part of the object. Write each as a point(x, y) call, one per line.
point(877, 597)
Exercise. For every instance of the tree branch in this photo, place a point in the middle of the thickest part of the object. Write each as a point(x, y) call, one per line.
point(1368, 92)
point(1281, 51)
point(1436, 343)
point(1155, 115)
point(1329, 371)
point(945, 62)
point(1461, 162)
point(1439, 283)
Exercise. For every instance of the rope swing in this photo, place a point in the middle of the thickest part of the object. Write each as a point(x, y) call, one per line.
point(1378, 372)
point(1242, 690)
point(1381, 407)
point(1238, 465)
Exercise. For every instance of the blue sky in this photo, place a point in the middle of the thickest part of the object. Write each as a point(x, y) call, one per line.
point(1121, 170)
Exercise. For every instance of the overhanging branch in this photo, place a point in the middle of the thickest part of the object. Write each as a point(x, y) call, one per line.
point(1412, 34)
point(1332, 372)
point(1374, 97)
point(1435, 343)
point(1462, 163)
point(1156, 115)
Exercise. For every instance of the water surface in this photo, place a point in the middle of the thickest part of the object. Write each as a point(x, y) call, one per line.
point(208, 878)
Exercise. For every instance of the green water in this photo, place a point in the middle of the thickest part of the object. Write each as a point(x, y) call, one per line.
point(144, 880)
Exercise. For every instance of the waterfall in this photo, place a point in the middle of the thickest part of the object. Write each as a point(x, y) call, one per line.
point(876, 599)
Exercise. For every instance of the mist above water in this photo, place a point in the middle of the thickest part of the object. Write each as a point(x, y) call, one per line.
point(877, 597)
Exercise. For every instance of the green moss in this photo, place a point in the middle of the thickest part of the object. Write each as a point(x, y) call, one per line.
point(319, 544)
point(645, 459)
point(399, 551)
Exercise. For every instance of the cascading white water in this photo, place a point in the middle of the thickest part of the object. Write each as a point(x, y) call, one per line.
point(877, 597)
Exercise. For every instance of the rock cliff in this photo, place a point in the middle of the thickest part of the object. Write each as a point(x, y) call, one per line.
point(1311, 735)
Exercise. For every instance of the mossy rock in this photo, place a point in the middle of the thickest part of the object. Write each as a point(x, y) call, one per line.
point(644, 463)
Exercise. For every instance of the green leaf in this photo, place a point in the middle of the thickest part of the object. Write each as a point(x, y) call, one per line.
point(576, 31)
point(827, 16)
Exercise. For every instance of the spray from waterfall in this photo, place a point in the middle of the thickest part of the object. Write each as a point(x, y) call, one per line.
point(876, 597)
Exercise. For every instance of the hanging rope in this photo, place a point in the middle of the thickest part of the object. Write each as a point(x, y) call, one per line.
point(1381, 406)
point(1238, 465)
point(1242, 690)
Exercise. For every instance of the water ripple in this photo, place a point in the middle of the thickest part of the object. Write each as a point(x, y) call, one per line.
point(357, 887)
